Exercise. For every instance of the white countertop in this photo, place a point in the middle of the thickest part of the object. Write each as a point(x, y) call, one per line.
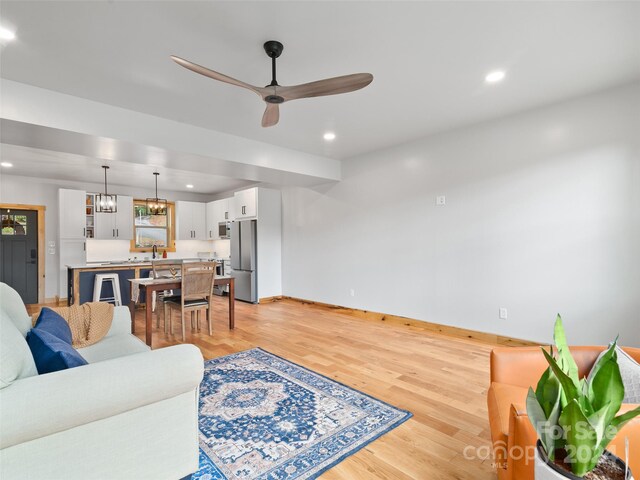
point(115, 264)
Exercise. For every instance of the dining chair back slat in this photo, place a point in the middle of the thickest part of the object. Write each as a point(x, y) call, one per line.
point(197, 280)
point(166, 268)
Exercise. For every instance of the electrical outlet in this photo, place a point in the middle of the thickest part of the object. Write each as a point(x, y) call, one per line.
point(441, 200)
point(352, 292)
point(503, 313)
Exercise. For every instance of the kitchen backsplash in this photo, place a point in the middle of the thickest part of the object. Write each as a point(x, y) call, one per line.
point(110, 250)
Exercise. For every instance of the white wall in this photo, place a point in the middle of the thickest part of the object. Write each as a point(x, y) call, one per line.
point(542, 216)
point(34, 191)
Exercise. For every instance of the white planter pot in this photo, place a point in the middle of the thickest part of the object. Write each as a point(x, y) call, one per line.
point(545, 470)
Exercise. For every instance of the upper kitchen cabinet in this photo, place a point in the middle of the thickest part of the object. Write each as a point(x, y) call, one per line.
point(118, 225)
point(245, 204)
point(72, 214)
point(217, 213)
point(191, 221)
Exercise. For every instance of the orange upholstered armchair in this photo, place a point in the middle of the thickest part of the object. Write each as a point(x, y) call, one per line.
point(513, 371)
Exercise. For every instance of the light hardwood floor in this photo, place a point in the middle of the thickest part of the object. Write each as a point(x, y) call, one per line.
point(442, 380)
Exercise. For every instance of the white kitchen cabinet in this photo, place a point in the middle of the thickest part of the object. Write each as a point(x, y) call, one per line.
point(191, 221)
point(245, 204)
point(217, 212)
point(212, 226)
point(72, 213)
point(115, 226)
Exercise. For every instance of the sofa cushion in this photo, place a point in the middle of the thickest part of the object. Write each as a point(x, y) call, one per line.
point(630, 371)
point(53, 323)
point(52, 354)
point(113, 346)
point(16, 360)
point(12, 304)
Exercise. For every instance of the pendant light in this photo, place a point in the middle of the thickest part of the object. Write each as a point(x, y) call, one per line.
point(156, 206)
point(106, 202)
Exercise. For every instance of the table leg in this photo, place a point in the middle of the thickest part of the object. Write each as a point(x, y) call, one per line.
point(132, 310)
point(148, 312)
point(232, 304)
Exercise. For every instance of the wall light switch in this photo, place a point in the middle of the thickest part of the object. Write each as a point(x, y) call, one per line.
point(441, 200)
point(51, 244)
point(52, 251)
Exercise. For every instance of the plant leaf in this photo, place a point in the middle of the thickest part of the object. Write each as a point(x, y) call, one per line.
point(569, 388)
point(606, 387)
point(548, 391)
point(599, 420)
point(539, 420)
point(607, 355)
point(581, 439)
point(616, 425)
point(565, 359)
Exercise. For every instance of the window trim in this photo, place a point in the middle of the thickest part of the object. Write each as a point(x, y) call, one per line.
point(171, 228)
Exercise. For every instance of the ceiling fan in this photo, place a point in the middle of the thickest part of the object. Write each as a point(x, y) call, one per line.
point(275, 94)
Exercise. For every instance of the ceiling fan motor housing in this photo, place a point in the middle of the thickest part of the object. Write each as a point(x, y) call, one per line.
point(273, 99)
point(273, 48)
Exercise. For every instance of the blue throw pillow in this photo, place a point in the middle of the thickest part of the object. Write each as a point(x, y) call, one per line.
point(52, 354)
point(51, 322)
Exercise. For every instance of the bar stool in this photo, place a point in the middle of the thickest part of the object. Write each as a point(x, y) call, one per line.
point(115, 285)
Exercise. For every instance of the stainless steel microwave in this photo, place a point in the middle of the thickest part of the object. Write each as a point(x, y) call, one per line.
point(224, 230)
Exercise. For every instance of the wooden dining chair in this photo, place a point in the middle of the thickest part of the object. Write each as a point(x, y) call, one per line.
point(197, 293)
point(164, 269)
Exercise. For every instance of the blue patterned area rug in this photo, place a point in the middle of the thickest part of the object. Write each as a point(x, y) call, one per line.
point(263, 417)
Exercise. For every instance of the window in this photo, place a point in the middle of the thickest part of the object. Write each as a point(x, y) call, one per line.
point(14, 224)
point(150, 230)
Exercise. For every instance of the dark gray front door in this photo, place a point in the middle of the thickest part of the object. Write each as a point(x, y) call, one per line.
point(19, 252)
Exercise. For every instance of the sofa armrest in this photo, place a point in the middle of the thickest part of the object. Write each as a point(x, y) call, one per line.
point(521, 445)
point(42, 405)
point(121, 322)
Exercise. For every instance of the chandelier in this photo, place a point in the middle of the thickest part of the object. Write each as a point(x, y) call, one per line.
point(106, 202)
point(156, 206)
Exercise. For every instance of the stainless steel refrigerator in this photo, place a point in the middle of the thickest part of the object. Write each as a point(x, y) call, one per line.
point(244, 260)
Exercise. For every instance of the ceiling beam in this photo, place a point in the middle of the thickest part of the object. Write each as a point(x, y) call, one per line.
point(38, 118)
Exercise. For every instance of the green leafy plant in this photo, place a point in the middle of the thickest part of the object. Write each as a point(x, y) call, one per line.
point(573, 414)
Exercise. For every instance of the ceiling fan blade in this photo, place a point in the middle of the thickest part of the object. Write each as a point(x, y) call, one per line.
point(194, 67)
point(329, 86)
point(271, 115)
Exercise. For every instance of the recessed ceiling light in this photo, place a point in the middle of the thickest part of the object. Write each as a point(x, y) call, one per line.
point(6, 164)
point(6, 34)
point(329, 136)
point(189, 186)
point(495, 76)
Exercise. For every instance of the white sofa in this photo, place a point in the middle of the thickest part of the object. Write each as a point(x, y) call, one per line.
point(131, 413)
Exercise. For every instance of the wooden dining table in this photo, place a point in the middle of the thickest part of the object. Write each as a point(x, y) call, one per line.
point(150, 285)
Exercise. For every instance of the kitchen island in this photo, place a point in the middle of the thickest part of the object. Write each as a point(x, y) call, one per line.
point(81, 278)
